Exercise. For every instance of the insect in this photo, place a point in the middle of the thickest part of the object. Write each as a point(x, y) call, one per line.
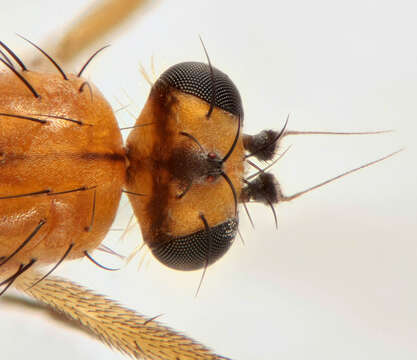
point(63, 171)
point(229, 266)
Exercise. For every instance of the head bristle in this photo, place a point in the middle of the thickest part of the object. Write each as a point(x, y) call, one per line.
point(213, 83)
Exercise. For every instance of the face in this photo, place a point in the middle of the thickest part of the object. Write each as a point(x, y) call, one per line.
point(339, 253)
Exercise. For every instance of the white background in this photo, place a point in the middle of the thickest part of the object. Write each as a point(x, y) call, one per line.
point(338, 278)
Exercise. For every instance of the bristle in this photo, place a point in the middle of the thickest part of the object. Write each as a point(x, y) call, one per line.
point(193, 139)
point(145, 75)
point(89, 257)
point(68, 191)
point(152, 319)
point(213, 83)
point(136, 126)
point(54, 267)
point(23, 117)
point(5, 57)
point(274, 213)
point(107, 250)
point(12, 279)
point(187, 188)
point(27, 83)
point(239, 124)
point(84, 84)
point(24, 243)
point(266, 168)
point(91, 58)
point(133, 193)
point(93, 211)
point(248, 214)
point(14, 56)
point(224, 175)
point(207, 228)
point(47, 56)
point(79, 122)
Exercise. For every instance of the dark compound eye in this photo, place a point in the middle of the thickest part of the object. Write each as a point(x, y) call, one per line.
point(195, 78)
point(198, 249)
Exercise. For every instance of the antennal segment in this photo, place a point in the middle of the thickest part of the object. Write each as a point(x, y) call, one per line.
point(264, 145)
point(264, 188)
point(294, 132)
point(298, 194)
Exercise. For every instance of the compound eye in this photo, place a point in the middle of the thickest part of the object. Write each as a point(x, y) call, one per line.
point(195, 78)
point(195, 251)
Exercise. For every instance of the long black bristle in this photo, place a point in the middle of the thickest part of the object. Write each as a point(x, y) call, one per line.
point(6, 58)
point(91, 58)
point(25, 195)
point(83, 188)
point(20, 271)
point(24, 243)
point(249, 216)
point(47, 56)
point(98, 264)
point(54, 267)
point(28, 85)
point(79, 122)
point(234, 141)
point(224, 175)
point(14, 56)
point(213, 83)
point(132, 193)
point(93, 211)
point(193, 139)
point(207, 228)
point(81, 89)
point(24, 117)
point(187, 188)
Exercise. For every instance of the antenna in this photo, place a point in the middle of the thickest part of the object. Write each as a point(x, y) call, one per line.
point(298, 194)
